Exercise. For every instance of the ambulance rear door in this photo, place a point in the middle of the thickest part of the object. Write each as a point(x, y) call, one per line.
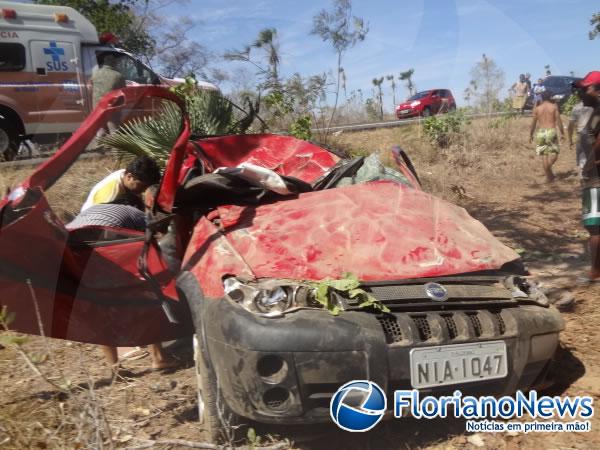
point(61, 100)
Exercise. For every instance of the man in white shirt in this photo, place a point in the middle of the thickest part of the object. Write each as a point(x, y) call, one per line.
point(580, 117)
point(130, 182)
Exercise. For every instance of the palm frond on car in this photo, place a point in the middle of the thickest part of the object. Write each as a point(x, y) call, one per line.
point(210, 114)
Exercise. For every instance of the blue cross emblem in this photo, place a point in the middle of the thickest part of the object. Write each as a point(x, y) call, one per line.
point(54, 51)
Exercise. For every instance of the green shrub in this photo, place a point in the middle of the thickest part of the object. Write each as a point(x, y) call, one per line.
point(439, 129)
point(504, 119)
point(300, 128)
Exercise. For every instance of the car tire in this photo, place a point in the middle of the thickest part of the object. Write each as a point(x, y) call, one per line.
point(9, 140)
point(220, 424)
point(452, 108)
point(426, 112)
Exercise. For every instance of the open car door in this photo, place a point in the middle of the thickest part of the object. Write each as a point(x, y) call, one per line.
point(94, 284)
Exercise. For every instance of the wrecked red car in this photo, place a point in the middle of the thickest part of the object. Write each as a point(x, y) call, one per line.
point(252, 225)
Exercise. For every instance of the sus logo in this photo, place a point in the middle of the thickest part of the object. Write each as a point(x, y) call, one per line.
point(56, 65)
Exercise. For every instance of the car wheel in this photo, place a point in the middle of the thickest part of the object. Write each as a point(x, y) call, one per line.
point(452, 108)
point(426, 112)
point(9, 142)
point(220, 423)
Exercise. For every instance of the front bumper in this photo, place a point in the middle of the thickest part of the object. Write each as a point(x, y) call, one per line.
point(285, 370)
point(406, 113)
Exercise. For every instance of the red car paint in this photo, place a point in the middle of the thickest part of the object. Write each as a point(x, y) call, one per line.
point(426, 103)
point(96, 292)
point(377, 231)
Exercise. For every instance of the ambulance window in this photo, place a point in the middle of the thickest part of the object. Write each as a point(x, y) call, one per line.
point(134, 71)
point(12, 57)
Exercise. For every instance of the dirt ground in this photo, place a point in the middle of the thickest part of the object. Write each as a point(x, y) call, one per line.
point(491, 171)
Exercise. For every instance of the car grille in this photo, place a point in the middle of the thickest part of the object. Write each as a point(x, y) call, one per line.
point(463, 292)
point(434, 327)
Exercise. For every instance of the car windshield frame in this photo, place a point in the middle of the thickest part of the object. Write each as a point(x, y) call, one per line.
point(419, 96)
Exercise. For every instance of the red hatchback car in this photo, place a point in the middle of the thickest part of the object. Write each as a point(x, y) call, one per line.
point(427, 103)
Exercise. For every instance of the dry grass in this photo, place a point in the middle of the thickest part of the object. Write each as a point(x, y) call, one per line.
point(95, 411)
point(71, 190)
point(483, 155)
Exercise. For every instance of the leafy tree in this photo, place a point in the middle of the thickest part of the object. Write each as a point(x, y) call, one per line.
point(467, 93)
point(487, 80)
point(305, 93)
point(343, 31)
point(177, 55)
point(145, 32)
point(371, 108)
point(377, 83)
point(407, 76)
point(118, 17)
point(595, 23)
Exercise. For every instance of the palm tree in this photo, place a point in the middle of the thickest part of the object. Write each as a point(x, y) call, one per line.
point(267, 40)
point(407, 76)
point(392, 81)
point(377, 83)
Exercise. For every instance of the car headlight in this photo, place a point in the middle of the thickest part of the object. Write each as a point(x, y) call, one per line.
point(269, 297)
point(415, 103)
point(526, 290)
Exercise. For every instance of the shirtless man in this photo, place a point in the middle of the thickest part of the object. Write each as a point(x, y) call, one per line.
point(546, 117)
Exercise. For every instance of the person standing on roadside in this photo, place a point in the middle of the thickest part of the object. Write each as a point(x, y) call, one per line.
point(520, 90)
point(528, 83)
point(580, 116)
point(105, 79)
point(546, 120)
point(589, 92)
point(538, 88)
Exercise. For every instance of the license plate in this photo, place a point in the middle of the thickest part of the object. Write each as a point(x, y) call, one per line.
point(456, 364)
point(406, 111)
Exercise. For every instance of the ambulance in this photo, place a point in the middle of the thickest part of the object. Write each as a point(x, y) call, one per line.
point(47, 56)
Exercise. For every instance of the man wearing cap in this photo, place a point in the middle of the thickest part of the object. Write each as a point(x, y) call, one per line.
point(589, 92)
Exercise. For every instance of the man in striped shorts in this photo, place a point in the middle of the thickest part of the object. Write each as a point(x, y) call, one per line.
point(110, 215)
point(589, 92)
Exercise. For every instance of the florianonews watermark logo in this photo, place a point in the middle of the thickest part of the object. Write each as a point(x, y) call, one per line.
point(358, 405)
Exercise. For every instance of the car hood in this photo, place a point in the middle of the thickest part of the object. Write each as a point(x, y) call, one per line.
point(377, 231)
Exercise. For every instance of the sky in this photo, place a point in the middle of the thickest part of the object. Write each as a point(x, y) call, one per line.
point(440, 39)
